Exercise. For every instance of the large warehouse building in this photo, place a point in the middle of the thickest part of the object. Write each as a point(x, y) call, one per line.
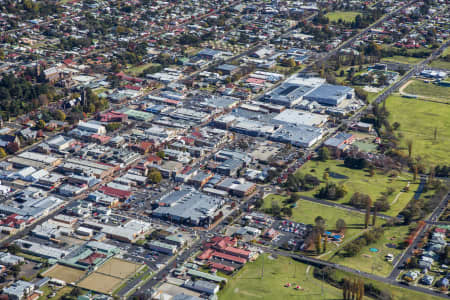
point(329, 94)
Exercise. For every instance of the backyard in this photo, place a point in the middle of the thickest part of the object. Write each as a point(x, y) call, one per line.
point(418, 122)
point(248, 284)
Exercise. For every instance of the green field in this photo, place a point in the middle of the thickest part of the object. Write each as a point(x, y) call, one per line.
point(374, 262)
point(306, 211)
point(346, 16)
point(403, 59)
point(248, 284)
point(59, 293)
point(418, 121)
point(360, 181)
point(441, 64)
point(421, 88)
point(136, 70)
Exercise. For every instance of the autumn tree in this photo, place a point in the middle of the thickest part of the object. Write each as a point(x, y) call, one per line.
point(367, 218)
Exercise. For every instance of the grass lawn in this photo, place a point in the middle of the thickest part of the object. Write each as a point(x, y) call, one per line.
point(248, 284)
point(421, 88)
point(32, 257)
point(136, 70)
point(360, 181)
point(440, 63)
point(374, 262)
point(306, 211)
point(346, 16)
point(47, 291)
point(403, 59)
point(418, 119)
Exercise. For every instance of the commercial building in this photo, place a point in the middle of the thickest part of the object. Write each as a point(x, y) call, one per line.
point(19, 290)
point(288, 94)
point(202, 286)
point(165, 248)
point(188, 206)
point(32, 209)
point(297, 135)
point(40, 249)
point(91, 127)
point(237, 187)
point(329, 94)
point(298, 117)
point(8, 259)
point(89, 255)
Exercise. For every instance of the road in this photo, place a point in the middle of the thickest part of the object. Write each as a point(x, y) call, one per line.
point(409, 251)
point(356, 36)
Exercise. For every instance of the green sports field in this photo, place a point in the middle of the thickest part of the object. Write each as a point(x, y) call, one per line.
point(248, 283)
point(418, 120)
point(360, 181)
point(346, 16)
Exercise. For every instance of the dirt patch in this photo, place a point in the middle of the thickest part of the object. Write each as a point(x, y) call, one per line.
point(100, 283)
point(66, 274)
point(118, 268)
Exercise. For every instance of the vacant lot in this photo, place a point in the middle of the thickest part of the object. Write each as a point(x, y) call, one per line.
point(418, 121)
point(100, 283)
point(248, 283)
point(118, 268)
point(428, 90)
point(359, 181)
point(64, 273)
point(346, 16)
point(403, 59)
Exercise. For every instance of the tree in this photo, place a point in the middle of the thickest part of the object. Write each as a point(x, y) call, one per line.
point(325, 176)
point(318, 243)
point(276, 210)
point(374, 217)
point(2, 153)
point(409, 143)
point(12, 147)
point(368, 205)
point(155, 176)
point(340, 225)
point(13, 249)
point(41, 124)
point(324, 154)
point(60, 115)
point(160, 154)
point(15, 270)
point(320, 223)
point(293, 198)
point(76, 292)
point(415, 173)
